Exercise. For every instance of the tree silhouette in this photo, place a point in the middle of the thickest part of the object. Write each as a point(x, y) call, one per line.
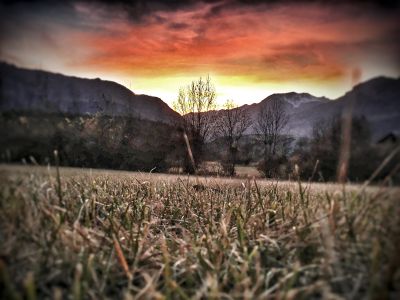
point(231, 123)
point(270, 128)
point(195, 103)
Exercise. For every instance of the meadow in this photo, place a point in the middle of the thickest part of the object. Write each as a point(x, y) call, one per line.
point(70, 233)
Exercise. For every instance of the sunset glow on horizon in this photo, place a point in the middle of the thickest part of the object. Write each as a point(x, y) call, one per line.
point(249, 50)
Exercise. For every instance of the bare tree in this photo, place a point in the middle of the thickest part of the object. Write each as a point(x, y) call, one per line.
point(270, 128)
point(194, 103)
point(231, 124)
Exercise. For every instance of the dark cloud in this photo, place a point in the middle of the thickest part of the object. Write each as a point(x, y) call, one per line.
point(139, 10)
point(178, 26)
point(148, 5)
point(136, 10)
point(375, 6)
point(380, 3)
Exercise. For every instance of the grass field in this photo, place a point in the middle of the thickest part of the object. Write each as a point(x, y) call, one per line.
point(85, 234)
point(247, 171)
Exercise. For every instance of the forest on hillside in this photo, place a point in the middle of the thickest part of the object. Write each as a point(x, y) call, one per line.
point(140, 145)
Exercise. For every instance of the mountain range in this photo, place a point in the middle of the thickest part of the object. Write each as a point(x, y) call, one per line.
point(23, 90)
point(377, 99)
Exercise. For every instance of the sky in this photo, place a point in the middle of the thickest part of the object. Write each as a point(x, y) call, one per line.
point(250, 49)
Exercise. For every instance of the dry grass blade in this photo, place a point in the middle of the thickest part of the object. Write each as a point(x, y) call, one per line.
point(121, 259)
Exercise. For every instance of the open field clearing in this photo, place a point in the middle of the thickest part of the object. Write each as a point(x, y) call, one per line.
point(247, 171)
point(96, 234)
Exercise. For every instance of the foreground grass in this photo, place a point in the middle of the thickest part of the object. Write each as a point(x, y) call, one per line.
point(97, 235)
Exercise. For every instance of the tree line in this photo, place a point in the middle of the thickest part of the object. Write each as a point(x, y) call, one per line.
point(202, 123)
point(280, 155)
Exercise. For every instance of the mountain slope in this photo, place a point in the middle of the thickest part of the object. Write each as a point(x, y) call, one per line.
point(296, 104)
point(39, 91)
point(377, 99)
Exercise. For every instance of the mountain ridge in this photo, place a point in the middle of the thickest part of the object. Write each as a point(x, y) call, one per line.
point(37, 90)
point(378, 99)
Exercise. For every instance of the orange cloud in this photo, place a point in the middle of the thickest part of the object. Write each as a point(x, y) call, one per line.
point(265, 42)
point(296, 46)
